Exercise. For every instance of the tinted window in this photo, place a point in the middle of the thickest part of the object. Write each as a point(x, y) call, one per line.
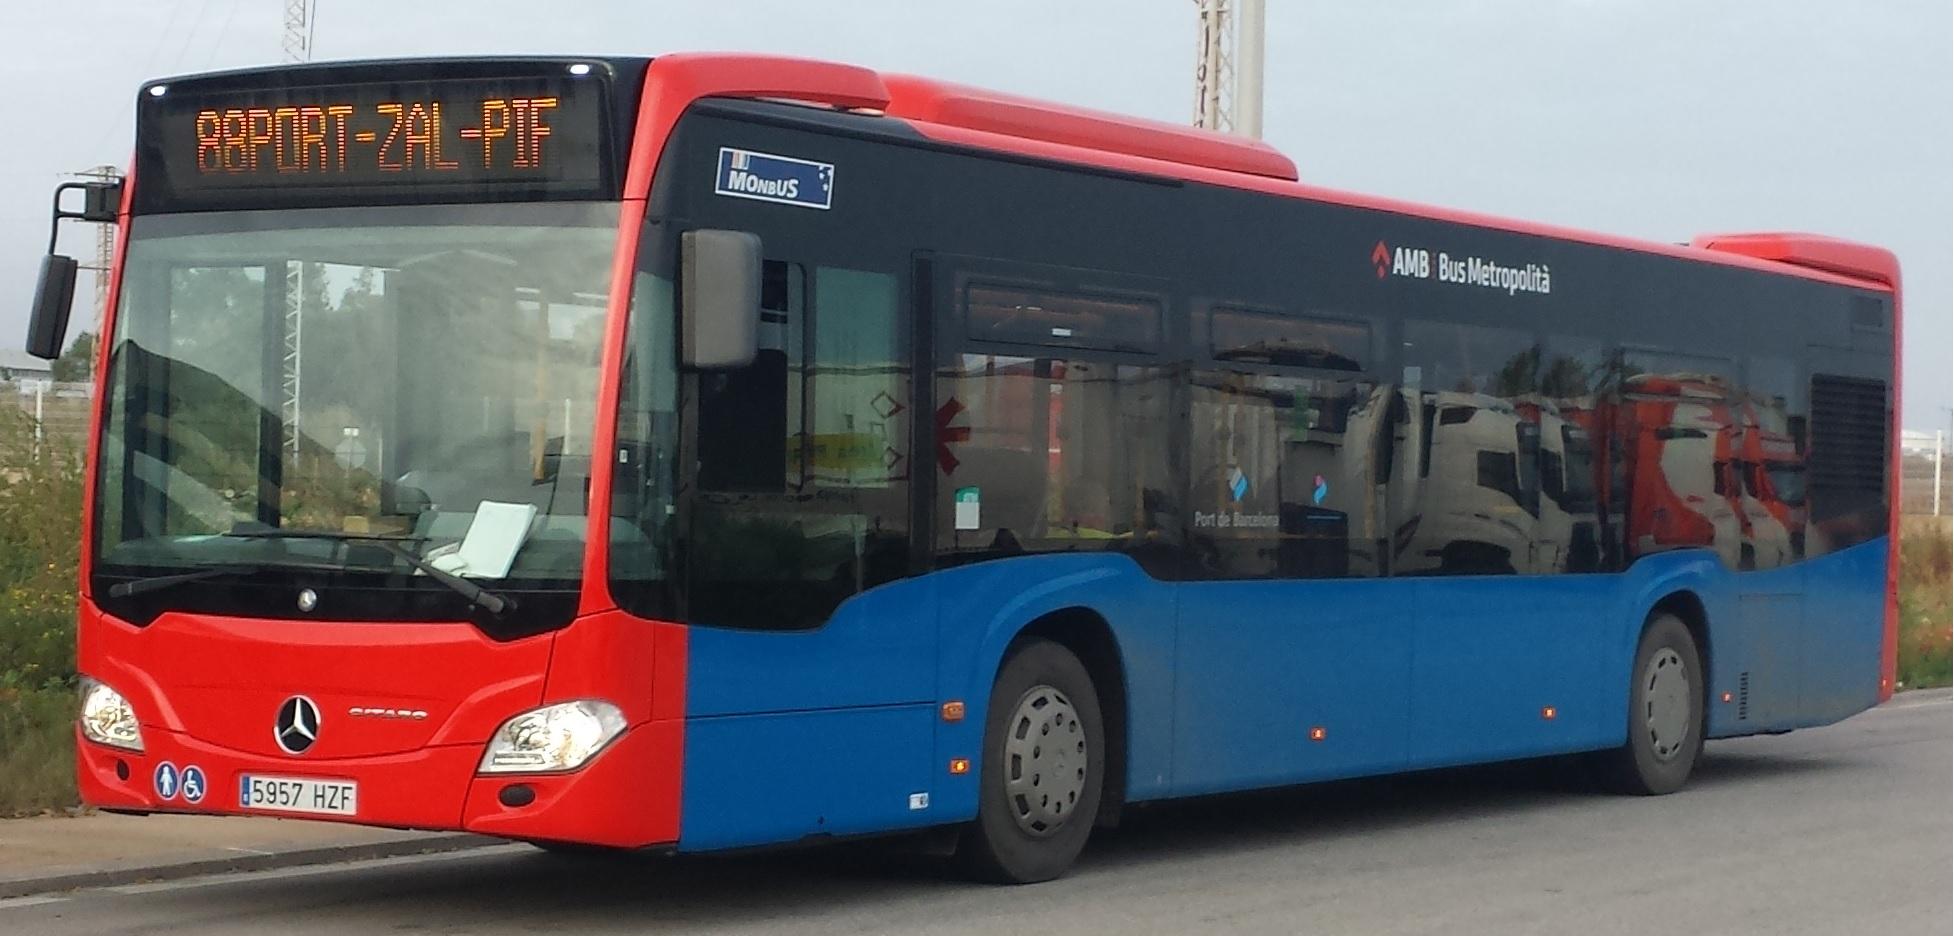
point(1284, 473)
point(1473, 508)
point(1042, 454)
point(803, 464)
point(1041, 316)
point(1241, 335)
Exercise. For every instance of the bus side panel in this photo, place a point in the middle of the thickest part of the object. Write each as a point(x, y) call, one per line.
point(1515, 666)
point(878, 648)
point(1845, 620)
point(1264, 664)
point(983, 608)
point(786, 776)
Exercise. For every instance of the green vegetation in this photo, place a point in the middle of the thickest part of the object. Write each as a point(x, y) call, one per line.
point(40, 529)
point(1926, 610)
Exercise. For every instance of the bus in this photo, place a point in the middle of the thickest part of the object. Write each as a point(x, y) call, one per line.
point(717, 451)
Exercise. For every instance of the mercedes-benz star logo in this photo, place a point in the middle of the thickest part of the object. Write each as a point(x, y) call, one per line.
point(298, 725)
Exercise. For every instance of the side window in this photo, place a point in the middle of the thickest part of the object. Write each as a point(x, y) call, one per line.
point(1284, 471)
point(1580, 380)
point(1050, 317)
point(1476, 507)
point(1043, 454)
point(803, 459)
point(1047, 442)
point(1677, 427)
point(1773, 415)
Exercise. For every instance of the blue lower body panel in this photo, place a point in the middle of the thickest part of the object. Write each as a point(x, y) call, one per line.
point(782, 777)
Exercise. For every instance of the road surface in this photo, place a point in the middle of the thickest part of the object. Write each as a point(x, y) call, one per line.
point(1843, 829)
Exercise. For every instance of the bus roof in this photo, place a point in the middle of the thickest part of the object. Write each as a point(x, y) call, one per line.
point(1004, 122)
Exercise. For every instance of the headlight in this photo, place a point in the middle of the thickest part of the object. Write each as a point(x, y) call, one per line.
point(106, 717)
point(553, 738)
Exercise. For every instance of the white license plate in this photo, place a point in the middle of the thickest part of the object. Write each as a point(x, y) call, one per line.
point(298, 795)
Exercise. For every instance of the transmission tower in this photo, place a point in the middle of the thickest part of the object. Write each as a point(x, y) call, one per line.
point(1228, 66)
point(104, 246)
point(298, 29)
point(299, 18)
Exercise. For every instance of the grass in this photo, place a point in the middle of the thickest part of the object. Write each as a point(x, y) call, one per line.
point(1926, 604)
point(37, 751)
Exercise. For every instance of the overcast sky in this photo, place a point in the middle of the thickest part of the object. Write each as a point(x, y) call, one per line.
point(1654, 118)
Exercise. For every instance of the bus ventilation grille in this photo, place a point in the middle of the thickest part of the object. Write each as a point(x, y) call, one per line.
point(1743, 696)
point(1848, 430)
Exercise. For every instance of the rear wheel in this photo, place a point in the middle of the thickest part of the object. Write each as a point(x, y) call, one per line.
point(1665, 713)
point(1043, 768)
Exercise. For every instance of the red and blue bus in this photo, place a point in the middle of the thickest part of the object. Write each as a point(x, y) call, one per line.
point(719, 451)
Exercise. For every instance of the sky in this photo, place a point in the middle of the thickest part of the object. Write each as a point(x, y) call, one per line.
point(1659, 119)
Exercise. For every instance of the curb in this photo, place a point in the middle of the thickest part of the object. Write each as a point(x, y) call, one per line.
point(74, 879)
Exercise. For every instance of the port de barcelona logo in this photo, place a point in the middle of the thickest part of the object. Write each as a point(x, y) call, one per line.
point(1425, 264)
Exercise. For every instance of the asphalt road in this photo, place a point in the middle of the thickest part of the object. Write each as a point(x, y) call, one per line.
point(1836, 830)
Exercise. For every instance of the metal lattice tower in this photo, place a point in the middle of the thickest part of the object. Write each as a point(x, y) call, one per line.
point(298, 30)
point(299, 17)
point(1228, 66)
point(104, 246)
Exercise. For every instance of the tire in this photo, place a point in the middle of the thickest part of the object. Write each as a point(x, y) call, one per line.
point(1665, 714)
point(1036, 801)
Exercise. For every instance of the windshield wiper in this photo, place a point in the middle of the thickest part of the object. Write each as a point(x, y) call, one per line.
point(159, 582)
point(476, 594)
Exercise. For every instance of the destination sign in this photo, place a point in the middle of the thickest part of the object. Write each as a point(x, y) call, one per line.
point(522, 137)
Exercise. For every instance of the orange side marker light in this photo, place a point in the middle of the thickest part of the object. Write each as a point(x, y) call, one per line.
point(959, 765)
point(1317, 733)
point(1549, 712)
point(1727, 697)
point(953, 711)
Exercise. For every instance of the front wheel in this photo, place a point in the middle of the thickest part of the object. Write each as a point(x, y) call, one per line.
point(1043, 768)
point(1665, 713)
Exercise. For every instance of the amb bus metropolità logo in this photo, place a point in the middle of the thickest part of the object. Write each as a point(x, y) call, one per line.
point(1419, 263)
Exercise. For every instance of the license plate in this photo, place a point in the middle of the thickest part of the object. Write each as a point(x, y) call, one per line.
point(298, 795)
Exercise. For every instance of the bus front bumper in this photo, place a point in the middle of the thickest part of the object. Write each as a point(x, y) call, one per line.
point(617, 799)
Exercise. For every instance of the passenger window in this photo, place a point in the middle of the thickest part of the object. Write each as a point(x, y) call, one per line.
point(1285, 475)
point(1041, 454)
point(1057, 318)
point(1253, 337)
point(1476, 507)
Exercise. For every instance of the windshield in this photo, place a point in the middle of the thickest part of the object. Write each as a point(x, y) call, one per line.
point(421, 373)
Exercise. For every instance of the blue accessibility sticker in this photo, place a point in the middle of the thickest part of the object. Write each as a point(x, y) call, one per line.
point(193, 784)
point(780, 179)
point(167, 781)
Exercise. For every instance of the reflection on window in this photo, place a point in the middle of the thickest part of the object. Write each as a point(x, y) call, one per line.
point(1250, 337)
point(1040, 316)
point(1284, 475)
point(804, 461)
point(1045, 454)
point(378, 371)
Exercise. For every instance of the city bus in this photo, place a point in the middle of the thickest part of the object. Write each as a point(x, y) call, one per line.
point(718, 451)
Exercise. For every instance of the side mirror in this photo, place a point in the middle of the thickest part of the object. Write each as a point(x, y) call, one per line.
point(54, 295)
point(719, 299)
